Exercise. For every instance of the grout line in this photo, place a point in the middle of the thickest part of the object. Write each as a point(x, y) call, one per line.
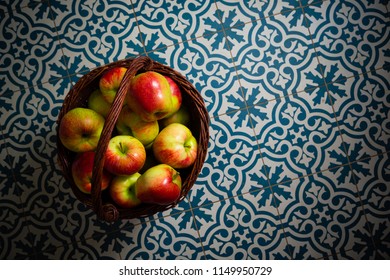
point(330, 98)
point(139, 27)
point(195, 224)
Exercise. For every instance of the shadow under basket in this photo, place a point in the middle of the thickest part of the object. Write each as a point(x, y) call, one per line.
point(78, 96)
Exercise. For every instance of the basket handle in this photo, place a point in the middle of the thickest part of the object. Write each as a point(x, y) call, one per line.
point(109, 212)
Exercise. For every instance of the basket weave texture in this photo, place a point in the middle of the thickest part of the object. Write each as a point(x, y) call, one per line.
point(78, 96)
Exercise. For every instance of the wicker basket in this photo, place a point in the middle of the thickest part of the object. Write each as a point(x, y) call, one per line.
point(99, 201)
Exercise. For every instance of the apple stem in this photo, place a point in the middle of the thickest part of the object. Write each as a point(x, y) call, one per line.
point(175, 175)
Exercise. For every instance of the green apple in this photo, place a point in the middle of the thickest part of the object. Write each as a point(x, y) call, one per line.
point(130, 123)
point(97, 103)
point(182, 116)
point(122, 190)
point(80, 129)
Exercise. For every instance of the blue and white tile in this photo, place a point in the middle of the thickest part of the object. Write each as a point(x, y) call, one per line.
point(30, 50)
point(277, 55)
point(86, 249)
point(168, 238)
point(373, 183)
point(321, 216)
point(94, 33)
point(236, 12)
point(17, 4)
point(362, 108)
point(297, 137)
point(233, 164)
point(12, 220)
point(350, 36)
point(242, 227)
point(29, 122)
point(206, 63)
point(165, 23)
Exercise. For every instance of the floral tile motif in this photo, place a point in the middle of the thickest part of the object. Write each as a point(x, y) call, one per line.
point(237, 12)
point(94, 33)
point(321, 216)
point(29, 122)
point(166, 23)
point(243, 227)
point(298, 157)
point(233, 164)
point(362, 107)
point(277, 55)
point(168, 238)
point(30, 47)
point(351, 37)
point(13, 227)
point(373, 183)
point(207, 65)
point(297, 137)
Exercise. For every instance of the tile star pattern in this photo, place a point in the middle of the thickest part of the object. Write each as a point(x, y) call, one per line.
point(298, 93)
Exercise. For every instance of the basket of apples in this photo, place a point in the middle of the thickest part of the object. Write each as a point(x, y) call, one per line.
point(132, 138)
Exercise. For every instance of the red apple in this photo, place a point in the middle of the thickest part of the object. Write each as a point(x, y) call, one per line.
point(110, 81)
point(130, 123)
point(97, 103)
point(182, 116)
point(150, 96)
point(160, 184)
point(175, 95)
point(80, 129)
point(125, 155)
point(122, 190)
point(82, 167)
point(176, 146)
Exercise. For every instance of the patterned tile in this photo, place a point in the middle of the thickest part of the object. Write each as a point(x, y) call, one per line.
point(30, 48)
point(297, 136)
point(207, 65)
point(351, 37)
point(373, 182)
point(362, 107)
point(165, 23)
point(94, 33)
point(235, 12)
point(321, 216)
point(168, 238)
point(298, 94)
point(29, 123)
point(233, 164)
point(276, 57)
point(243, 227)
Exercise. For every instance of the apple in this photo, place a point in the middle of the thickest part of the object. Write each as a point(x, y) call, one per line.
point(150, 96)
point(182, 116)
point(175, 95)
point(176, 146)
point(122, 190)
point(110, 81)
point(80, 129)
point(160, 184)
point(82, 167)
point(97, 103)
point(130, 123)
point(125, 155)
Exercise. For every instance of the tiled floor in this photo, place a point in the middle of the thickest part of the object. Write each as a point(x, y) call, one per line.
point(298, 92)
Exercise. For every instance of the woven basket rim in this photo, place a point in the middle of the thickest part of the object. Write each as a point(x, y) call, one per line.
point(77, 96)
